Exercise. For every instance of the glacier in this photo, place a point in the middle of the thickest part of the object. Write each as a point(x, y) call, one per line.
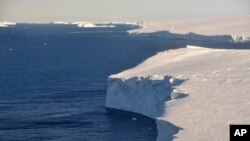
point(234, 29)
point(193, 93)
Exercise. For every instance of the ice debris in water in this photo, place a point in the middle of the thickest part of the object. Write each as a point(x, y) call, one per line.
point(134, 118)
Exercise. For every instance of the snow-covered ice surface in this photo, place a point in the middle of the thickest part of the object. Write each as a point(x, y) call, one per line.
point(91, 25)
point(79, 24)
point(221, 29)
point(103, 24)
point(60, 22)
point(194, 93)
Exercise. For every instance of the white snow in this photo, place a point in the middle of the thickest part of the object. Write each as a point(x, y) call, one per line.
point(7, 24)
point(128, 23)
point(60, 22)
point(104, 24)
point(221, 29)
point(194, 93)
point(92, 25)
point(84, 24)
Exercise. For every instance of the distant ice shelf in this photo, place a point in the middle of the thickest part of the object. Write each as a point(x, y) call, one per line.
point(83, 24)
point(234, 29)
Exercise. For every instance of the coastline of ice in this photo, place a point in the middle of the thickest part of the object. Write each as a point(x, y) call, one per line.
point(222, 29)
point(104, 24)
point(154, 91)
point(145, 95)
point(91, 25)
point(79, 24)
point(193, 93)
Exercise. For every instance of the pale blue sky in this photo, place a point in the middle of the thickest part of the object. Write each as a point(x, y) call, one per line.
point(119, 10)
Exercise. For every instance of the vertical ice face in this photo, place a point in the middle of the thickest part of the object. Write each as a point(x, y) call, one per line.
point(233, 29)
point(144, 95)
point(218, 88)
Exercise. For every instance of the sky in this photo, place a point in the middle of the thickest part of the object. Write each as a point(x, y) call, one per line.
point(119, 10)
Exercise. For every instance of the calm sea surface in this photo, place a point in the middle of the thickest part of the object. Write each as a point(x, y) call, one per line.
point(53, 81)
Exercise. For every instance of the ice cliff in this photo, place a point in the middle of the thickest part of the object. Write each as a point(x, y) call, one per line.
point(222, 29)
point(145, 95)
point(193, 93)
point(103, 24)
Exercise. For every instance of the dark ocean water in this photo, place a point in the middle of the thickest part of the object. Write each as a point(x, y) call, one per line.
point(53, 81)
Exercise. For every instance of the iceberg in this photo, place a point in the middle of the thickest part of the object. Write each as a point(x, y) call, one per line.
point(60, 22)
point(104, 24)
point(92, 25)
point(7, 24)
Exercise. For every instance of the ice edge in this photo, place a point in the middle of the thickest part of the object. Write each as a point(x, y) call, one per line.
point(146, 95)
point(190, 36)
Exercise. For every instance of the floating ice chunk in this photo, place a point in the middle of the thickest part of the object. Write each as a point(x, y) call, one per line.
point(134, 119)
point(60, 22)
point(7, 24)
